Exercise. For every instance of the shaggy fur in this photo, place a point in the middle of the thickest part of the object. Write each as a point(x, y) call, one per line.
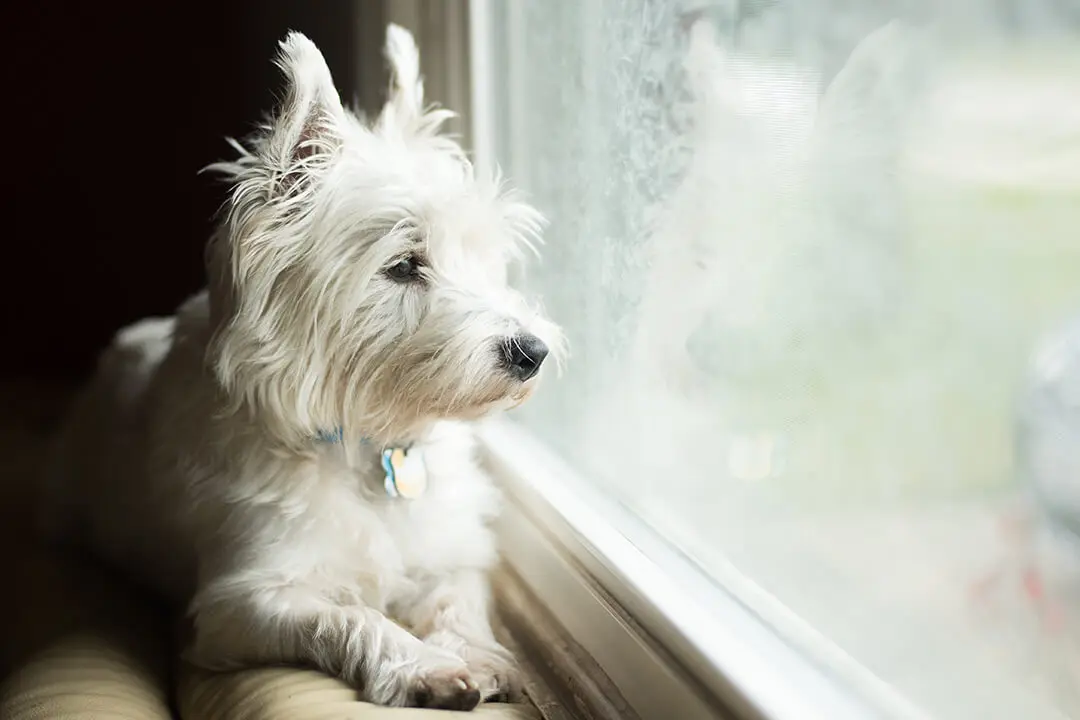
point(357, 282)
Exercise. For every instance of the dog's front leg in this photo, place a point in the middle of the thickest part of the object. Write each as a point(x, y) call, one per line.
point(453, 612)
point(358, 644)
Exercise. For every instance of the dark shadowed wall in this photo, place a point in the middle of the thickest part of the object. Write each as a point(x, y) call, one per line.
point(110, 110)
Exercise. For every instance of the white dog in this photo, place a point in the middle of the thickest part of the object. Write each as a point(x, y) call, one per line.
point(290, 453)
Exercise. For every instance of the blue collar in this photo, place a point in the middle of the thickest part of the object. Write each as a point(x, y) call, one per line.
point(405, 473)
point(334, 436)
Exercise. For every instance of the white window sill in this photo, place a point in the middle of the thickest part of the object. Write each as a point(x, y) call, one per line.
point(672, 643)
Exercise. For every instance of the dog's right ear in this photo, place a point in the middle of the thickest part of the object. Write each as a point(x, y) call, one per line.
point(404, 114)
point(405, 102)
point(308, 123)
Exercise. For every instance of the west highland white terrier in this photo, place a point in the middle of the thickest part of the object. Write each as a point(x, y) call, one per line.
point(290, 455)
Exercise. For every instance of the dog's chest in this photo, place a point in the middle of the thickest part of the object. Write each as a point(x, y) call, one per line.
point(381, 542)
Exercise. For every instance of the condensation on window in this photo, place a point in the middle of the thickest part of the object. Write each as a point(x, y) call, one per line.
point(819, 266)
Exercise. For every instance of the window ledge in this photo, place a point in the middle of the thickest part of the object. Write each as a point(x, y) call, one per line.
point(657, 637)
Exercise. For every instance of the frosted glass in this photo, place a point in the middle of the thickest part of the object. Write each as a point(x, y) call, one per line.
point(807, 255)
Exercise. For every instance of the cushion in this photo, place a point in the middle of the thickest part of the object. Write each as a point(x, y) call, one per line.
point(78, 643)
point(85, 677)
point(294, 694)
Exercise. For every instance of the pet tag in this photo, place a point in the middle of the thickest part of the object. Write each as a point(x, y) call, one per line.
point(406, 473)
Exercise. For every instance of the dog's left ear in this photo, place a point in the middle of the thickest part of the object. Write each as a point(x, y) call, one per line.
point(309, 120)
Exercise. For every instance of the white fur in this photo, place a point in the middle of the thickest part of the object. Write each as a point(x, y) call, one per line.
point(192, 459)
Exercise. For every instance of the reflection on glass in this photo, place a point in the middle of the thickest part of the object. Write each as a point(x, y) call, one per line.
point(819, 263)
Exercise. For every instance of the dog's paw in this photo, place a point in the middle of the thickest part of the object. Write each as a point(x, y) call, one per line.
point(490, 665)
point(445, 688)
point(495, 673)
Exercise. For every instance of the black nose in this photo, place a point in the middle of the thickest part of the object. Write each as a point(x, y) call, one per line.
point(523, 355)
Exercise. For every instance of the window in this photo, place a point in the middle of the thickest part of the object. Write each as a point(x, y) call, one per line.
point(819, 264)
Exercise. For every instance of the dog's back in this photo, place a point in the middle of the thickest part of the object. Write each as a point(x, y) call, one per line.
point(97, 454)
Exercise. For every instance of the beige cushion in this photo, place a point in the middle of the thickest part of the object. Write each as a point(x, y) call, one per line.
point(292, 694)
point(78, 644)
point(84, 677)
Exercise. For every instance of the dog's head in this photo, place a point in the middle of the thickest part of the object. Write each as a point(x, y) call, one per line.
point(359, 276)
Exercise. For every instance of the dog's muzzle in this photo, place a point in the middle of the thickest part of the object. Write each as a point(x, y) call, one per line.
point(523, 355)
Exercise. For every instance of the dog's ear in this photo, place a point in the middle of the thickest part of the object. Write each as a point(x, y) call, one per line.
point(308, 122)
point(406, 98)
point(863, 112)
point(404, 112)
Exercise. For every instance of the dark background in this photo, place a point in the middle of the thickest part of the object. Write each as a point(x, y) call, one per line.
point(110, 111)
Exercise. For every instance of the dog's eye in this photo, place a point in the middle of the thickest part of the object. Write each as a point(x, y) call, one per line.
point(407, 269)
